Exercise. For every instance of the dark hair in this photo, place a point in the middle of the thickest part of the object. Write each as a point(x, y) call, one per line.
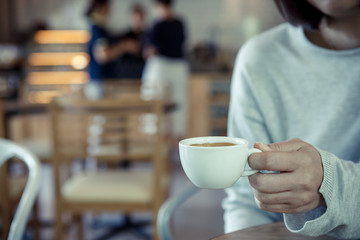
point(300, 13)
point(137, 8)
point(164, 2)
point(95, 4)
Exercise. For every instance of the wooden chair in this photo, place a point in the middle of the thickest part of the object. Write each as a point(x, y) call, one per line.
point(110, 131)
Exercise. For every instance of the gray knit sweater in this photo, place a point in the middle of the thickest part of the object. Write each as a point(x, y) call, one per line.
point(283, 87)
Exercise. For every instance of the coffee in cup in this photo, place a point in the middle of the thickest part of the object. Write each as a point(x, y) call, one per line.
point(215, 162)
point(219, 144)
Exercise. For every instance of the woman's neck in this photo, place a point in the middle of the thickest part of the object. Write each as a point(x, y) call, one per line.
point(338, 33)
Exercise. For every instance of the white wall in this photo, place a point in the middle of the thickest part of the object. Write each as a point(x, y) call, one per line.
point(231, 21)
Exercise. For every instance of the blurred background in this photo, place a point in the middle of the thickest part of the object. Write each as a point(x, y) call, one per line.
point(43, 54)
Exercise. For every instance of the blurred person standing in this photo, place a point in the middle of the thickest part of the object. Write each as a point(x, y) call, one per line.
point(166, 71)
point(101, 50)
point(130, 64)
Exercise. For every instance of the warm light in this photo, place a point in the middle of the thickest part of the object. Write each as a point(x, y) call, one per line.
point(79, 62)
point(42, 96)
point(59, 59)
point(62, 37)
point(54, 78)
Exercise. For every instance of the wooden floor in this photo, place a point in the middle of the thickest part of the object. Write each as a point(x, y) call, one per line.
point(201, 217)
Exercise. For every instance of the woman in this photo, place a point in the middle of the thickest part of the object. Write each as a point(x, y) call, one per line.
point(300, 80)
point(100, 49)
point(166, 69)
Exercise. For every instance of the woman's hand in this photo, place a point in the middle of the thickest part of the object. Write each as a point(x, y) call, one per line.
point(150, 51)
point(104, 53)
point(295, 189)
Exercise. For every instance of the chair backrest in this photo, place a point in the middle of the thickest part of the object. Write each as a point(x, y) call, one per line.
point(10, 150)
point(78, 123)
point(107, 130)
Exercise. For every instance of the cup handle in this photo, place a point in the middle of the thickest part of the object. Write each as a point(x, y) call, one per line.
point(247, 173)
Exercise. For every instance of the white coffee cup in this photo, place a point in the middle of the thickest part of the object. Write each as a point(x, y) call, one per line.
point(215, 167)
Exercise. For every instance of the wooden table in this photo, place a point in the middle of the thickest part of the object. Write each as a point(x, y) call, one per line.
point(274, 231)
point(14, 107)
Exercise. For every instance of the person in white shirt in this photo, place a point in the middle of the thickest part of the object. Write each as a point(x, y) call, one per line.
point(295, 94)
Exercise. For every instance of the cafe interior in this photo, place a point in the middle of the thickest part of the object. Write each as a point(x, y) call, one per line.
point(106, 164)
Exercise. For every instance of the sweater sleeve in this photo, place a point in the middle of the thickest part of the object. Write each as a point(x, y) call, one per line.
point(340, 218)
point(245, 121)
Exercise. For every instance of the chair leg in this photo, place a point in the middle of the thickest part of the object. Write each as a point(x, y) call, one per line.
point(5, 218)
point(155, 235)
point(58, 224)
point(80, 226)
point(5, 204)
